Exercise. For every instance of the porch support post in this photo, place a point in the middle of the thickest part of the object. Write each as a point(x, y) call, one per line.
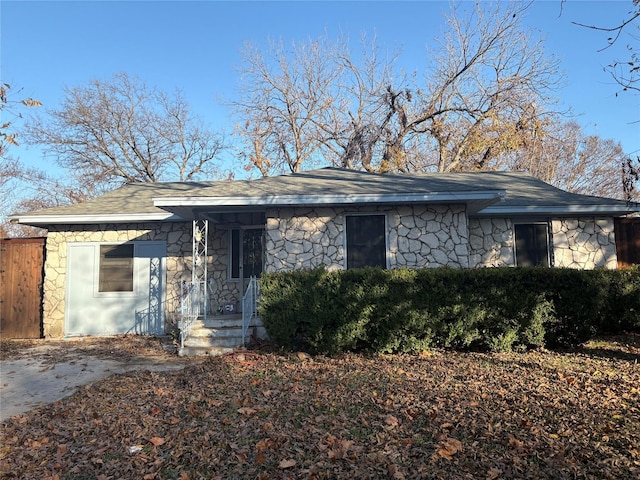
point(199, 267)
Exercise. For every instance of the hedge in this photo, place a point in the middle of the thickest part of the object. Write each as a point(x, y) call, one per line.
point(496, 309)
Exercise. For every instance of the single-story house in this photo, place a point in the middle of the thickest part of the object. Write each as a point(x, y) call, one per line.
point(120, 262)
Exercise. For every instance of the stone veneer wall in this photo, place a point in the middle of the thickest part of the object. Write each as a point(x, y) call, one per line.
point(491, 242)
point(178, 236)
point(418, 236)
point(584, 243)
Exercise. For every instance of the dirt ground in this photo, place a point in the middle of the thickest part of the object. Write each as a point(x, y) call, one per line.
point(34, 372)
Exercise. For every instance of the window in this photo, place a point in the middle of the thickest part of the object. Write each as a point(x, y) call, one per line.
point(234, 254)
point(116, 268)
point(366, 241)
point(532, 245)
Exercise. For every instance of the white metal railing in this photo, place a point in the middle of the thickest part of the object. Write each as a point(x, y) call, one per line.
point(249, 306)
point(193, 303)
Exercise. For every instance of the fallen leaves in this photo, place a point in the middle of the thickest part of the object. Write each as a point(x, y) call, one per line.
point(391, 421)
point(338, 448)
point(448, 447)
point(246, 411)
point(120, 347)
point(157, 441)
point(287, 463)
point(444, 415)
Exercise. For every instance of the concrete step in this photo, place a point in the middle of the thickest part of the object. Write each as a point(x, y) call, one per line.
point(211, 335)
point(221, 321)
point(220, 339)
point(199, 351)
point(220, 332)
point(201, 341)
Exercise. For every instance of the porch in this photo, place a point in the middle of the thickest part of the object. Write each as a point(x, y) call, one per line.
point(212, 321)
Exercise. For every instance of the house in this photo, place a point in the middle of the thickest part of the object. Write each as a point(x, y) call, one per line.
point(125, 261)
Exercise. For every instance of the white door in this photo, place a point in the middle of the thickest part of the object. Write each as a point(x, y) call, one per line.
point(115, 289)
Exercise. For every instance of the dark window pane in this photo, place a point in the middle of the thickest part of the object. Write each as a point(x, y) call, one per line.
point(116, 268)
point(532, 247)
point(366, 245)
point(234, 253)
point(252, 252)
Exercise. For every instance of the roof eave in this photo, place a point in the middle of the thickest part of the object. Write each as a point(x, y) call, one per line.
point(43, 220)
point(559, 210)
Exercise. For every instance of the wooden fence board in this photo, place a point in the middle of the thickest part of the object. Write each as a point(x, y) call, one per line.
point(21, 278)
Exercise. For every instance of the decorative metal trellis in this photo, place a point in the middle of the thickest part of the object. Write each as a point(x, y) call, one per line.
point(199, 267)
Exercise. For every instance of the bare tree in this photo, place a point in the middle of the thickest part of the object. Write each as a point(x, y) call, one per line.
point(360, 115)
point(626, 72)
point(34, 189)
point(285, 95)
point(570, 159)
point(120, 130)
point(10, 108)
point(485, 91)
point(314, 103)
point(11, 170)
point(631, 179)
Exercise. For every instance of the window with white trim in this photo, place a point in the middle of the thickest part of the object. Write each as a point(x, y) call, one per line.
point(116, 268)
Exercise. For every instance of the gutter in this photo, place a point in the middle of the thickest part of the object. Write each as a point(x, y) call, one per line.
point(94, 219)
point(502, 210)
point(330, 199)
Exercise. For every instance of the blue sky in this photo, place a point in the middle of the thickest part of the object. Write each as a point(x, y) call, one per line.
point(194, 45)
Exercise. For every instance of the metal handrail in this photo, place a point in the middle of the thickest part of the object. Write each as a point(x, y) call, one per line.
point(249, 306)
point(192, 305)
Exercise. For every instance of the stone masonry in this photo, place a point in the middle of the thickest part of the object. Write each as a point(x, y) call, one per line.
point(418, 236)
point(584, 243)
point(178, 236)
point(491, 242)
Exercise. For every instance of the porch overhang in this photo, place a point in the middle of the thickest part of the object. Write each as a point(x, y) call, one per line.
point(192, 207)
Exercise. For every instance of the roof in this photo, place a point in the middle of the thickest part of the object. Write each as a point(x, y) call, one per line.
point(484, 194)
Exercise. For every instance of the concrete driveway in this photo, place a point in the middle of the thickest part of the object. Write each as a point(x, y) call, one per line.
point(49, 371)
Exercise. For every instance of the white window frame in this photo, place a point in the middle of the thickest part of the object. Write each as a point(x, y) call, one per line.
point(96, 283)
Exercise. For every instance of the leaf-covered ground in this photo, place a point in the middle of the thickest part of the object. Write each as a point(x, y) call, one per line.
point(262, 415)
point(122, 347)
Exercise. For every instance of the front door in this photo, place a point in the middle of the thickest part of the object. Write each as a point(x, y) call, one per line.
point(247, 254)
point(252, 252)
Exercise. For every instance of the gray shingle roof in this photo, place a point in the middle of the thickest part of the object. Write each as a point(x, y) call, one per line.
point(524, 194)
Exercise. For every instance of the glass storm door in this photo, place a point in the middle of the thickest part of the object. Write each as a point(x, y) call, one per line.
point(247, 253)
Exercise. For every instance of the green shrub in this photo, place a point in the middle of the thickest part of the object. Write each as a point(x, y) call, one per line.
point(497, 309)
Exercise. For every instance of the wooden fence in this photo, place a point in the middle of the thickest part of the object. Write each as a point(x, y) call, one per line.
point(628, 241)
point(21, 278)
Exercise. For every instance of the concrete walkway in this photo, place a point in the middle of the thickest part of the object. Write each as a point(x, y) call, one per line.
point(34, 380)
